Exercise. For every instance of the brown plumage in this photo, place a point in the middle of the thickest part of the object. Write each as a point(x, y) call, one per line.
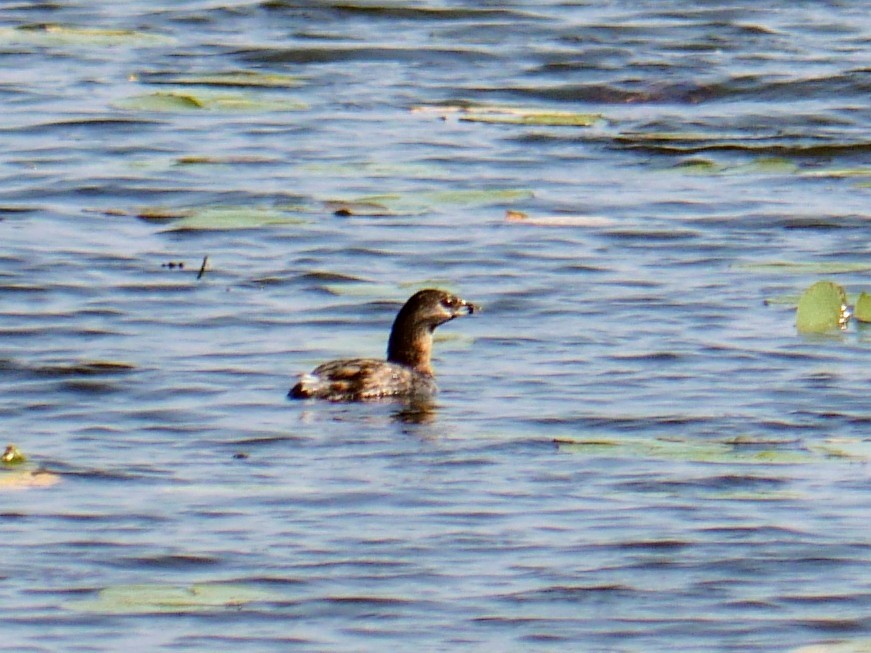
point(407, 372)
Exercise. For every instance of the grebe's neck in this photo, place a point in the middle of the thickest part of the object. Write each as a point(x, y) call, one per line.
point(410, 344)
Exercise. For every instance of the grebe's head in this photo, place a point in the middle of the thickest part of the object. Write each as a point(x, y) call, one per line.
point(432, 307)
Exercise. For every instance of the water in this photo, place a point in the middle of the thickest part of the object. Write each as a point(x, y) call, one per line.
point(632, 449)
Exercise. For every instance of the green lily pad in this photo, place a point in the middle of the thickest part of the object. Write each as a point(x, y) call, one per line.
point(244, 78)
point(151, 599)
point(205, 100)
point(532, 117)
point(862, 308)
point(513, 115)
point(224, 218)
point(723, 452)
point(766, 166)
point(53, 35)
point(479, 197)
point(792, 267)
point(822, 308)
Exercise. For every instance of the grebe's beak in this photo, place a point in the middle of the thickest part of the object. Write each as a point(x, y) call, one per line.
point(467, 308)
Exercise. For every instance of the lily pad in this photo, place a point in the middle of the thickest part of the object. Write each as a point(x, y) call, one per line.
point(151, 599)
point(205, 100)
point(50, 34)
point(766, 166)
point(862, 309)
point(822, 308)
point(244, 78)
point(514, 115)
point(700, 451)
point(223, 218)
point(793, 267)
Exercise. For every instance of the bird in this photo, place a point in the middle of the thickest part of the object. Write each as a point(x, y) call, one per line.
point(407, 372)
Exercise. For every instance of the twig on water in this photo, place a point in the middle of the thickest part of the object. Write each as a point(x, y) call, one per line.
point(202, 268)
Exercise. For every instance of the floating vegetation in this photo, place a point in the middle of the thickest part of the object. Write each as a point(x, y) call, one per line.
point(734, 450)
point(218, 218)
point(512, 115)
point(154, 598)
point(478, 197)
point(862, 309)
point(365, 207)
point(242, 79)
point(206, 100)
point(50, 34)
point(12, 456)
point(425, 202)
point(796, 267)
point(822, 309)
point(558, 220)
point(745, 451)
point(18, 474)
point(760, 166)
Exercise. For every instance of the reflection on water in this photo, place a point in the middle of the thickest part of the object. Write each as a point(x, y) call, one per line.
point(417, 411)
point(673, 177)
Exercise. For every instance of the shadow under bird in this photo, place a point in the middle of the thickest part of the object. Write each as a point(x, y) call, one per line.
point(407, 372)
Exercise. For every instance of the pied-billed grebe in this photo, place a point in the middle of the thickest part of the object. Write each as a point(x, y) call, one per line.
point(407, 372)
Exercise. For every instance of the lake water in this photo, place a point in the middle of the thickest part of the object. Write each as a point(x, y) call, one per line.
point(632, 449)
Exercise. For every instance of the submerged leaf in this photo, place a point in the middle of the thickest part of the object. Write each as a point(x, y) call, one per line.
point(862, 309)
point(822, 308)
